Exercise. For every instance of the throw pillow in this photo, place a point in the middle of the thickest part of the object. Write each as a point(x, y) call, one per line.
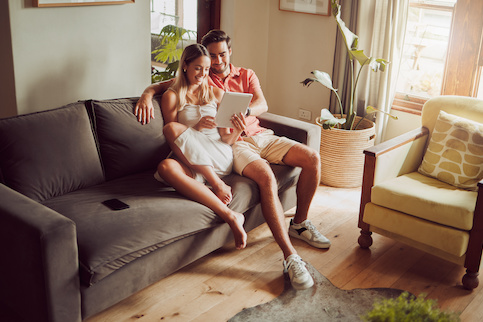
point(455, 152)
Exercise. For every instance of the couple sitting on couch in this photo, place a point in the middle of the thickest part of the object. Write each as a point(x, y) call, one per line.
point(203, 152)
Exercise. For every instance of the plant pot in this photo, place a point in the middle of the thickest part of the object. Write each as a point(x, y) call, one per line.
point(341, 154)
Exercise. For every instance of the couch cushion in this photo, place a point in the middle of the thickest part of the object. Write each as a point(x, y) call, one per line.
point(126, 145)
point(110, 239)
point(427, 198)
point(157, 216)
point(50, 153)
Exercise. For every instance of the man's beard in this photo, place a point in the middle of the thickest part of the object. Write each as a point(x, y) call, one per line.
point(220, 70)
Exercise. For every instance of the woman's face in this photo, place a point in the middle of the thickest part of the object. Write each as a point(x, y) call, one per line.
point(198, 70)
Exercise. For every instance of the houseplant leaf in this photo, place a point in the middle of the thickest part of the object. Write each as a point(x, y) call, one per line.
point(327, 120)
point(378, 64)
point(321, 77)
point(360, 56)
point(351, 40)
point(324, 79)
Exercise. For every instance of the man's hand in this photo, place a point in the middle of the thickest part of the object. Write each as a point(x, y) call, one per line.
point(144, 109)
point(239, 123)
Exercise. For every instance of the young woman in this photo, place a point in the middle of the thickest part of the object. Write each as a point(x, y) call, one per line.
point(203, 151)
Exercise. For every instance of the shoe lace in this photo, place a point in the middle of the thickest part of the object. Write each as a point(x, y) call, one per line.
point(310, 227)
point(297, 266)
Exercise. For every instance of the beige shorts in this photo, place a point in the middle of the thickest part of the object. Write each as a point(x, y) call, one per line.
point(263, 146)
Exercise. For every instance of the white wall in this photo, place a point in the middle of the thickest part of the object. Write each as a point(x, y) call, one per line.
point(283, 48)
point(65, 54)
point(405, 123)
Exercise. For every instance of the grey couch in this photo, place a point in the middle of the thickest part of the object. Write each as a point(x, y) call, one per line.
point(64, 255)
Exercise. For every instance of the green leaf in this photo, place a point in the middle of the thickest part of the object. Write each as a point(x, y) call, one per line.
point(372, 109)
point(379, 64)
point(351, 40)
point(320, 77)
point(327, 120)
point(360, 56)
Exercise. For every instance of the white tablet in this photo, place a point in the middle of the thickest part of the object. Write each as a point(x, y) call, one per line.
point(232, 103)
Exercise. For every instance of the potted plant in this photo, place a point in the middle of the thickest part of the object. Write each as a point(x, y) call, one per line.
point(169, 52)
point(345, 136)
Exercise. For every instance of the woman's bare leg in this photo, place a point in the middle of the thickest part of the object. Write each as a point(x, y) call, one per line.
point(223, 191)
point(179, 177)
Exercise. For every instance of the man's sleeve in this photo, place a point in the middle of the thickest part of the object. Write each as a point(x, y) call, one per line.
point(253, 81)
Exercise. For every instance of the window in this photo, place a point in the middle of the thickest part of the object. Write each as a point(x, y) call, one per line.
point(193, 17)
point(434, 62)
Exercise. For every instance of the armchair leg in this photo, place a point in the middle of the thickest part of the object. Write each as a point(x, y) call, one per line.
point(470, 280)
point(365, 239)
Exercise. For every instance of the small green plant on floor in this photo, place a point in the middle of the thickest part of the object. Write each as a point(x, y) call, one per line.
point(408, 308)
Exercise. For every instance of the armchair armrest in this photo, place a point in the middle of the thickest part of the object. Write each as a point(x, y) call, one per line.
point(390, 159)
point(300, 131)
point(397, 156)
point(39, 260)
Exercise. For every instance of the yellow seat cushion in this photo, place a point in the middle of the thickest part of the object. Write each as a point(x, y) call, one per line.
point(447, 239)
point(427, 198)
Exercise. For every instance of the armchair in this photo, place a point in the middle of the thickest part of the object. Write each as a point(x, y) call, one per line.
point(400, 203)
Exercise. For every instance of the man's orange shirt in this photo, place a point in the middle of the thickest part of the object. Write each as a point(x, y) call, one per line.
point(240, 80)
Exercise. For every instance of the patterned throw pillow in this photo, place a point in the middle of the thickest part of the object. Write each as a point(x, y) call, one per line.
point(455, 152)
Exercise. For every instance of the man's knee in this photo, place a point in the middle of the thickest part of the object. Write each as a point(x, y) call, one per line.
point(302, 156)
point(260, 172)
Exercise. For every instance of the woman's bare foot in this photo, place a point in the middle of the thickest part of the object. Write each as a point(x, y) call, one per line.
point(223, 192)
point(238, 231)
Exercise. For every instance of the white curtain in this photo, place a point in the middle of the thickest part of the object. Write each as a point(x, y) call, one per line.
point(386, 21)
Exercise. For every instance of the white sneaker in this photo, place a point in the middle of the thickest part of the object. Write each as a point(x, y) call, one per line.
point(308, 233)
point(298, 273)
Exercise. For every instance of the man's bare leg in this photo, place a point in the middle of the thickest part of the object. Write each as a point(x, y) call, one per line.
point(179, 177)
point(261, 172)
point(309, 160)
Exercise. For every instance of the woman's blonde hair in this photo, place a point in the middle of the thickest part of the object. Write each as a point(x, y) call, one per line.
point(181, 83)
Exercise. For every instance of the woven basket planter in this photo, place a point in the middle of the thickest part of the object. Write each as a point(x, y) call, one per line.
point(341, 154)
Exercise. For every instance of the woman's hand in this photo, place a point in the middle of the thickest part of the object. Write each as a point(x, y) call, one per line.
point(206, 122)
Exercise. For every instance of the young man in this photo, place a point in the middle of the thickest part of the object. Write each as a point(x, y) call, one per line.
point(253, 154)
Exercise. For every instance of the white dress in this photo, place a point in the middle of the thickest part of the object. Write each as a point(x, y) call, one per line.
point(203, 147)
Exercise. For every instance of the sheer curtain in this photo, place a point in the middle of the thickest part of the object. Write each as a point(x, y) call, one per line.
point(381, 26)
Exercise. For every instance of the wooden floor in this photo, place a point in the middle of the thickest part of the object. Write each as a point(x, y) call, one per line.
point(221, 284)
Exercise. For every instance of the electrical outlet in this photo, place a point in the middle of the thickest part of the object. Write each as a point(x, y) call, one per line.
point(304, 114)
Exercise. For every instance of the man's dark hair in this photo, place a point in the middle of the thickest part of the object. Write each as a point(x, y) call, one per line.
point(215, 35)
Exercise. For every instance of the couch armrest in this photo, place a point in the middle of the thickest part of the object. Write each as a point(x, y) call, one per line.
point(390, 159)
point(39, 275)
point(300, 131)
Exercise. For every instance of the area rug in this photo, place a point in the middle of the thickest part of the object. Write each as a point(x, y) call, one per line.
point(322, 302)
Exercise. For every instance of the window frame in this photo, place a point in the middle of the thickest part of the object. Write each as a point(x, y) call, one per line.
point(461, 60)
point(209, 16)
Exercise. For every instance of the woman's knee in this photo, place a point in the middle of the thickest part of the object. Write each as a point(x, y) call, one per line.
point(166, 167)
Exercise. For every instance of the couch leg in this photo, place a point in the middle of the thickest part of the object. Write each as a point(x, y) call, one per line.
point(365, 239)
point(470, 280)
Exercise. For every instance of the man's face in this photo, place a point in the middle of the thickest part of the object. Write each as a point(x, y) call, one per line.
point(220, 58)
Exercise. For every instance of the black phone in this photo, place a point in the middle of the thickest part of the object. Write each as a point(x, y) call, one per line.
point(115, 204)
